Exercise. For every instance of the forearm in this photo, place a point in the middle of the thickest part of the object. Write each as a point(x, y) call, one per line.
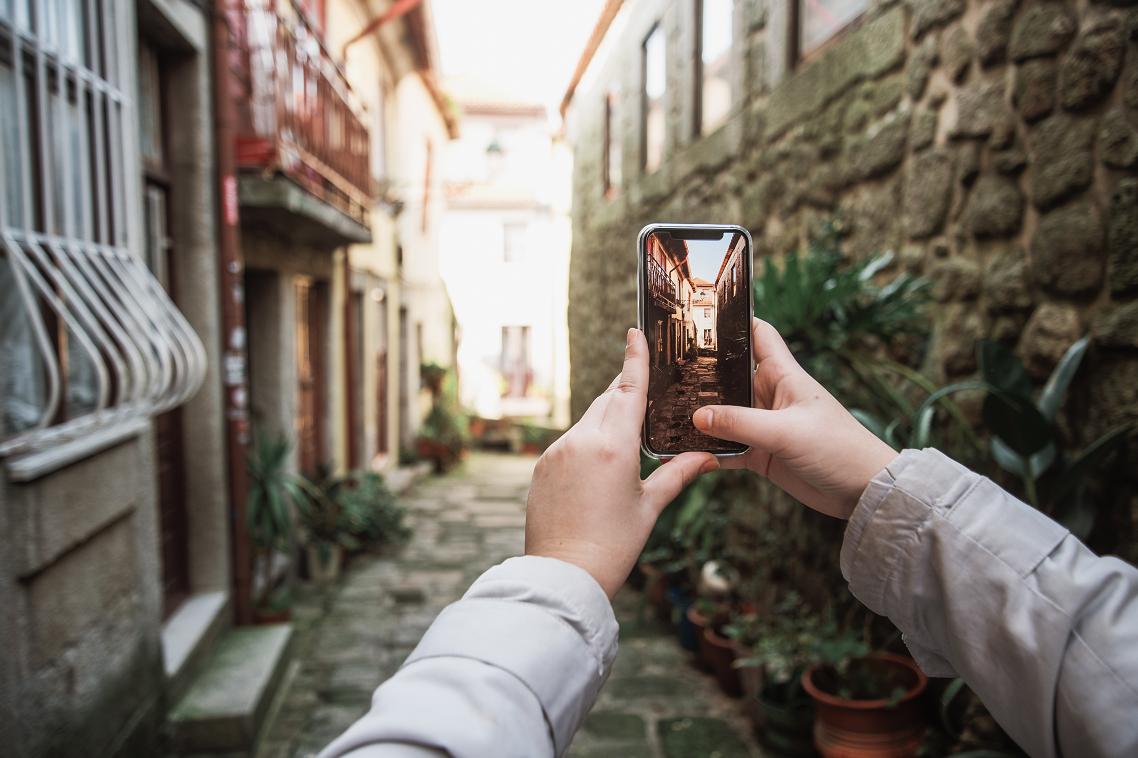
point(986, 586)
point(511, 670)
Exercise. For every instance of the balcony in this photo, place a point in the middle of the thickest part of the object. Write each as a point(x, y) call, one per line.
point(297, 117)
point(661, 289)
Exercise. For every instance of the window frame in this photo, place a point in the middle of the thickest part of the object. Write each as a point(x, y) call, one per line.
point(796, 58)
point(612, 113)
point(76, 254)
point(644, 99)
point(698, 125)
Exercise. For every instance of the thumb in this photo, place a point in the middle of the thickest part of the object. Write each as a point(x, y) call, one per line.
point(666, 482)
point(756, 427)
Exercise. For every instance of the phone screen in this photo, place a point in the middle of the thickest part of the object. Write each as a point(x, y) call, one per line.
point(695, 302)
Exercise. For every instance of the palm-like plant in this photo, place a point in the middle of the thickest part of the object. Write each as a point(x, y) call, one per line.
point(271, 486)
point(1023, 441)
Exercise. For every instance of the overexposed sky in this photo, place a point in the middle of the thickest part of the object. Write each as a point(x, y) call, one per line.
point(705, 257)
point(528, 48)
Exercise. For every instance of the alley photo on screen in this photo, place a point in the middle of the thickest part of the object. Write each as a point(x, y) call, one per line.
point(696, 301)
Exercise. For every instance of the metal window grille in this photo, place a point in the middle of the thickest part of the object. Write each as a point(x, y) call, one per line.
point(88, 337)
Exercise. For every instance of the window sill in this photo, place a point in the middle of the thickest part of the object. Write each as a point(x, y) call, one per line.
point(31, 466)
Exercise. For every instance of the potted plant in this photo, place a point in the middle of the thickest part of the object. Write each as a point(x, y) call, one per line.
point(782, 647)
point(444, 432)
point(432, 376)
point(349, 513)
point(267, 514)
point(867, 705)
point(324, 524)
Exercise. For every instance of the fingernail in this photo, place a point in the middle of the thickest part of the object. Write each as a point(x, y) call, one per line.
point(712, 465)
point(702, 419)
point(631, 332)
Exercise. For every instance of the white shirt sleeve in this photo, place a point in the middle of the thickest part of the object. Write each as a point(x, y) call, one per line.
point(512, 669)
point(1044, 631)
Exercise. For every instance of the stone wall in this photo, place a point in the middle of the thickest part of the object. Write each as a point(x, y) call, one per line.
point(991, 144)
point(80, 586)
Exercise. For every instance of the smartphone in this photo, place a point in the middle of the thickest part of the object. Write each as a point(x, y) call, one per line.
point(694, 302)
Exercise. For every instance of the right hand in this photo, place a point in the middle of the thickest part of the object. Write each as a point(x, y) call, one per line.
point(801, 438)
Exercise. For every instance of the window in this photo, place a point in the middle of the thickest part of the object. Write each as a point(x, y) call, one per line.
point(516, 371)
point(513, 242)
point(88, 338)
point(379, 136)
point(612, 139)
point(713, 62)
point(820, 20)
point(707, 313)
point(655, 84)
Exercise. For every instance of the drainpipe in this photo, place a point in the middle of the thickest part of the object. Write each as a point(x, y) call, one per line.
point(232, 282)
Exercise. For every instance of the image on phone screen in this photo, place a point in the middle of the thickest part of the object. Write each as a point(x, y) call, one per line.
point(696, 309)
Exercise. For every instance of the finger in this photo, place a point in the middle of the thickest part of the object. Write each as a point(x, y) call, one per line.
point(756, 427)
point(625, 412)
point(768, 343)
point(596, 411)
point(666, 482)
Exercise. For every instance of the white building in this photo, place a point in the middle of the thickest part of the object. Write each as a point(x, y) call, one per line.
point(703, 313)
point(504, 249)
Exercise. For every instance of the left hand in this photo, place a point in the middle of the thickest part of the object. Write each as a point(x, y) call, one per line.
point(587, 504)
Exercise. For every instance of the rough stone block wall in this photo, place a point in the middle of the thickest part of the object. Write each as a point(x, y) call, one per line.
point(991, 144)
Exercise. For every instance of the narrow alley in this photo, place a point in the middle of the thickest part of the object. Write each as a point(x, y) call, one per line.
point(699, 385)
point(353, 634)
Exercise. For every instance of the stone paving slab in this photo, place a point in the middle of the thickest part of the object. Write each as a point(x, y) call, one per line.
point(351, 635)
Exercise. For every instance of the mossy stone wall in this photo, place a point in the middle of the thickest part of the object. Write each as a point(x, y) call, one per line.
point(991, 144)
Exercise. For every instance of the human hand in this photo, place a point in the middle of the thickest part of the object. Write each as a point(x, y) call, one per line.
point(801, 438)
point(587, 504)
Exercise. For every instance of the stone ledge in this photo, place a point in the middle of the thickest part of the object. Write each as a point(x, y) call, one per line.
point(283, 204)
point(32, 466)
point(189, 636)
point(872, 50)
point(225, 706)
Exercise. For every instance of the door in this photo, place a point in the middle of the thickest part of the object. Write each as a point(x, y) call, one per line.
point(310, 305)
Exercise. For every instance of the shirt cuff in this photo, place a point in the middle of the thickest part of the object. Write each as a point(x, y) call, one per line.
point(875, 492)
point(544, 621)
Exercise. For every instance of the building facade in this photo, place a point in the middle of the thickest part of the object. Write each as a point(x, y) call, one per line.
point(137, 359)
point(992, 146)
point(113, 495)
point(505, 248)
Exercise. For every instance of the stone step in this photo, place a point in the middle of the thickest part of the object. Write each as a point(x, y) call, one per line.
point(225, 706)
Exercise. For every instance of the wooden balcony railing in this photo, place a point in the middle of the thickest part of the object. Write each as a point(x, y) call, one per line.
point(660, 288)
point(296, 112)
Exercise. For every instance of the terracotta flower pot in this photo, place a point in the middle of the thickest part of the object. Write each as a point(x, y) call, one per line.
point(720, 656)
point(699, 621)
point(884, 728)
point(328, 569)
point(657, 583)
point(750, 678)
point(266, 617)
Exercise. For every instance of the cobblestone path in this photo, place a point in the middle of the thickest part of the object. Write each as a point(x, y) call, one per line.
point(353, 634)
point(699, 385)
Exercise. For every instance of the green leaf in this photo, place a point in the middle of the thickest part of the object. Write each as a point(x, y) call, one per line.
point(1017, 422)
point(1003, 368)
point(1052, 395)
point(1010, 460)
point(1086, 461)
point(924, 415)
point(1077, 512)
point(870, 422)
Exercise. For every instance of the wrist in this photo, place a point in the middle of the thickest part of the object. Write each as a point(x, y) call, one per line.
point(585, 555)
